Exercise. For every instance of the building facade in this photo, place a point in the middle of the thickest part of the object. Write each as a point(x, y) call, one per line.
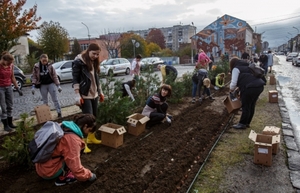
point(174, 36)
point(21, 50)
point(225, 35)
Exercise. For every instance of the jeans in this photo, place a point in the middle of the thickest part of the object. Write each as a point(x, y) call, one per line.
point(6, 101)
point(195, 88)
point(90, 106)
point(52, 90)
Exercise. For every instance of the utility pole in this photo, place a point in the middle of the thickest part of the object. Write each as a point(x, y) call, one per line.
point(192, 46)
point(89, 36)
point(297, 38)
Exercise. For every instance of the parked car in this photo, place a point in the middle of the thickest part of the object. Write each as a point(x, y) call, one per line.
point(63, 70)
point(115, 66)
point(151, 61)
point(296, 61)
point(280, 53)
point(20, 77)
point(291, 55)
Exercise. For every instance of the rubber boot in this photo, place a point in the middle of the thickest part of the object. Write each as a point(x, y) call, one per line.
point(86, 148)
point(10, 123)
point(5, 125)
point(92, 139)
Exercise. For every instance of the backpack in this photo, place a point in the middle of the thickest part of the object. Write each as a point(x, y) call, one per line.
point(41, 147)
point(256, 70)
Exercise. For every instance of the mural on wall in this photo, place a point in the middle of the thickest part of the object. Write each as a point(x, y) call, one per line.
point(226, 34)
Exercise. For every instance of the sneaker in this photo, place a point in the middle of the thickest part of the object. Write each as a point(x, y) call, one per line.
point(200, 100)
point(59, 115)
point(216, 88)
point(170, 116)
point(68, 178)
point(168, 120)
point(211, 98)
point(193, 100)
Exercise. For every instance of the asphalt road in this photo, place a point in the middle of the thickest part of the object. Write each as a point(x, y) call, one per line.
point(27, 102)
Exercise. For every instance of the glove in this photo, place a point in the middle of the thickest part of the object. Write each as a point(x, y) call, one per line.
point(93, 178)
point(101, 98)
point(20, 92)
point(133, 100)
point(33, 89)
point(59, 89)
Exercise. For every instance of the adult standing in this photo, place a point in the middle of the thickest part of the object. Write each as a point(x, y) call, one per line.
point(263, 59)
point(270, 60)
point(250, 88)
point(136, 67)
point(85, 71)
point(7, 77)
point(45, 78)
point(168, 72)
point(245, 56)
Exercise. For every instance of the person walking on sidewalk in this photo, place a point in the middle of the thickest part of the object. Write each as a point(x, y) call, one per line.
point(270, 60)
point(169, 73)
point(45, 78)
point(65, 164)
point(136, 67)
point(6, 92)
point(85, 71)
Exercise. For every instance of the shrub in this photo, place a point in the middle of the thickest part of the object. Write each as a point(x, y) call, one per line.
point(219, 67)
point(15, 146)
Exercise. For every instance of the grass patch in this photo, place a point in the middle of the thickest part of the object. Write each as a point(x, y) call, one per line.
point(235, 145)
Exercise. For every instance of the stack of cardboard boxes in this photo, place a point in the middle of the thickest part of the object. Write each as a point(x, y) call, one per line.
point(266, 144)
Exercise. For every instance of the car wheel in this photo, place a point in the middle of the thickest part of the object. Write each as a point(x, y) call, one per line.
point(127, 71)
point(110, 73)
point(19, 83)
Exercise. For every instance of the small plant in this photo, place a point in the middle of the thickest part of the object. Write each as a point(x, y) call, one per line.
point(220, 67)
point(115, 107)
point(15, 146)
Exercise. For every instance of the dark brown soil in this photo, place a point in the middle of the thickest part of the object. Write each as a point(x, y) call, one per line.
point(163, 159)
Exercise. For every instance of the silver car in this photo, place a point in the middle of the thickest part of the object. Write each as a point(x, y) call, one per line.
point(292, 55)
point(63, 70)
point(296, 61)
point(115, 66)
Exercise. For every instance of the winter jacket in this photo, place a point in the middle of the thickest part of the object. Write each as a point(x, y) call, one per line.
point(67, 151)
point(36, 74)
point(87, 82)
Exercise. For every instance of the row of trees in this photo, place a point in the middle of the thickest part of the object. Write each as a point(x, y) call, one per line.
point(53, 39)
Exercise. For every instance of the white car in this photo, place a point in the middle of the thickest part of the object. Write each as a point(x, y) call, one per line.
point(115, 66)
point(63, 70)
point(296, 61)
point(291, 55)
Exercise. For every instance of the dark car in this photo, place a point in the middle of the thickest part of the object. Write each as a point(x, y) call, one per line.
point(151, 61)
point(20, 77)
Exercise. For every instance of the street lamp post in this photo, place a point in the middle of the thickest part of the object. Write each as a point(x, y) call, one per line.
point(133, 42)
point(297, 38)
point(192, 46)
point(88, 31)
point(291, 48)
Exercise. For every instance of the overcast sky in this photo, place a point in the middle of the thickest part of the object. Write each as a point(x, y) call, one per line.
point(275, 18)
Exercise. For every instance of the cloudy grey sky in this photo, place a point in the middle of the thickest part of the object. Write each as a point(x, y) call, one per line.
point(273, 17)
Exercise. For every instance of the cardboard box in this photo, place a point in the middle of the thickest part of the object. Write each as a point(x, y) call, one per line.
point(272, 80)
point(137, 123)
point(232, 105)
point(42, 113)
point(263, 147)
point(112, 135)
point(272, 130)
point(273, 96)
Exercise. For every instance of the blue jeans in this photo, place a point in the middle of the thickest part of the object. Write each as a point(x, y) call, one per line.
point(195, 88)
point(6, 101)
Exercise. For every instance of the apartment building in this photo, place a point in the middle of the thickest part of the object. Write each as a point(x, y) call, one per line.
point(174, 36)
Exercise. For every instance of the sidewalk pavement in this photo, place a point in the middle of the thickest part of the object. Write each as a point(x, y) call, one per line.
point(66, 111)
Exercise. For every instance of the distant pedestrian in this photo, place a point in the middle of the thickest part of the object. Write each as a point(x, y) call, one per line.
point(169, 73)
point(45, 78)
point(7, 77)
point(136, 67)
point(85, 71)
point(263, 59)
point(245, 56)
point(270, 60)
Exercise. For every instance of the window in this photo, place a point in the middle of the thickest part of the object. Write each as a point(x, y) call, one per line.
point(67, 65)
point(84, 46)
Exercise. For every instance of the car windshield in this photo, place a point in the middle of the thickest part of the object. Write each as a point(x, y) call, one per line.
point(108, 62)
point(57, 64)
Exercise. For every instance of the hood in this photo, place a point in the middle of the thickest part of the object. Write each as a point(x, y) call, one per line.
point(79, 56)
point(74, 127)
